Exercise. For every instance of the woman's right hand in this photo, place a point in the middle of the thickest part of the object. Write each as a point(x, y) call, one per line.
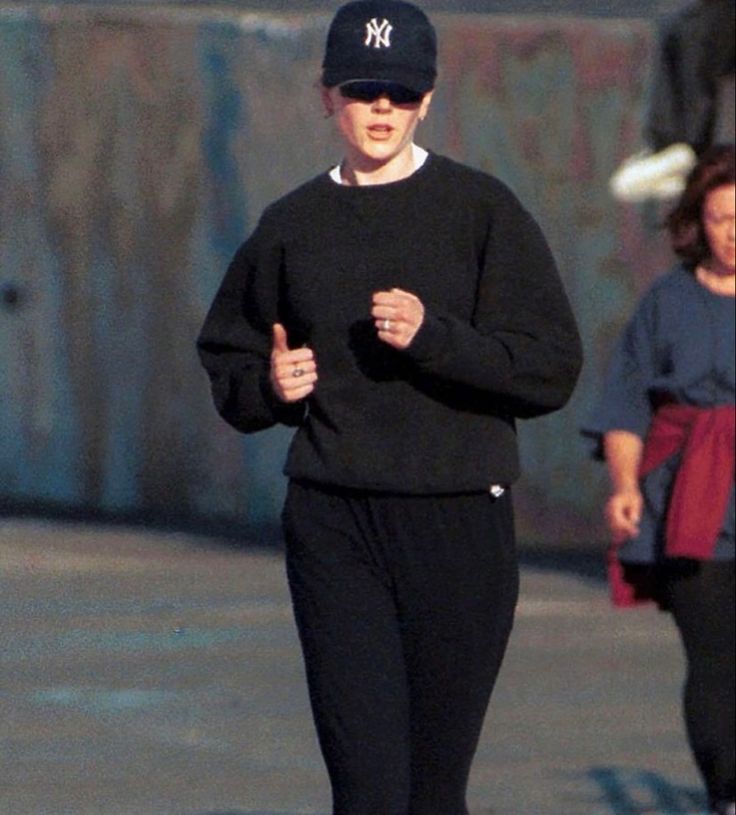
point(623, 514)
point(293, 373)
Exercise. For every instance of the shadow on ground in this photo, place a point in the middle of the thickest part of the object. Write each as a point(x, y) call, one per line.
point(209, 532)
point(638, 792)
point(587, 563)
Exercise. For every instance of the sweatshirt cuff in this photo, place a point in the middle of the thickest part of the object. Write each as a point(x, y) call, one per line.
point(430, 342)
point(290, 414)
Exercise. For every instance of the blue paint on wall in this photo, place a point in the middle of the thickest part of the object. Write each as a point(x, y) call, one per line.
point(226, 120)
point(41, 432)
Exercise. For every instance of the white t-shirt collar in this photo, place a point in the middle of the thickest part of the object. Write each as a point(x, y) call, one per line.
point(419, 154)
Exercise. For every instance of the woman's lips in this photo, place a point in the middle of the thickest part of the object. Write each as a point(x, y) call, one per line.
point(380, 132)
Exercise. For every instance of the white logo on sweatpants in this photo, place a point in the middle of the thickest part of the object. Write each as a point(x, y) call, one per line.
point(378, 34)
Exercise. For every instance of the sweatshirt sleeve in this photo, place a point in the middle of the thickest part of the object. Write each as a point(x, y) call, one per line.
point(522, 349)
point(624, 402)
point(234, 344)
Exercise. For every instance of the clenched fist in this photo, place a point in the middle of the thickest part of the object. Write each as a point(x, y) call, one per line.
point(398, 316)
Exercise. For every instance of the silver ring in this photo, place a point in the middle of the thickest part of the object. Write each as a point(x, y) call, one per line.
point(386, 325)
point(297, 372)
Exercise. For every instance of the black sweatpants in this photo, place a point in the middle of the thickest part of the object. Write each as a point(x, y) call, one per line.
point(701, 598)
point(404, 606)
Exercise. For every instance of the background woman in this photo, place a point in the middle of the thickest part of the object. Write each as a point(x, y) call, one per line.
point(400, 311)
point(666, 422)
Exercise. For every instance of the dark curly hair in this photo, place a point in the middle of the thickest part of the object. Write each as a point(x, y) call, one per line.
point(715, 168)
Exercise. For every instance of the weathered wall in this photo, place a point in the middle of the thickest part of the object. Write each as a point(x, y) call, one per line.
point(137, 149)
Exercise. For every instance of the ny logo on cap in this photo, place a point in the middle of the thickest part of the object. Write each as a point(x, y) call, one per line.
point(378, 34)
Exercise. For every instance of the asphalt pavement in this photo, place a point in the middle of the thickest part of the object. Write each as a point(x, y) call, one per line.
point(158, 673)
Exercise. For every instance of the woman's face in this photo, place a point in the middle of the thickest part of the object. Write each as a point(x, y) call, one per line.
point(719, 223)
point(375, 132)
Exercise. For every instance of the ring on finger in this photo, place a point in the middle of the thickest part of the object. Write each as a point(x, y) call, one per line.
point(386, 326)
point(297, 372)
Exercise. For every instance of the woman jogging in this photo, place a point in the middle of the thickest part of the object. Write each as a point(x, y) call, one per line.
point(400, 311)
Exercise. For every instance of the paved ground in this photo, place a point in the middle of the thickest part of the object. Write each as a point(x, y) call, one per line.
point(159, 674)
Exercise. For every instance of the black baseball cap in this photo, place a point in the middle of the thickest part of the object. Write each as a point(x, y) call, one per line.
point(382, 41)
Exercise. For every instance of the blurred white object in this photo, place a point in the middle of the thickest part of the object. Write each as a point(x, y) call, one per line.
point(648, 175)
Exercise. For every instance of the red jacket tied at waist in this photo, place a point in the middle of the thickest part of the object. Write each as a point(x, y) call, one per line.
point(699, 500)
point(705, 438)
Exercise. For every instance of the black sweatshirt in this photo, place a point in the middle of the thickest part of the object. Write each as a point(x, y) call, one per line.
point(499, 340)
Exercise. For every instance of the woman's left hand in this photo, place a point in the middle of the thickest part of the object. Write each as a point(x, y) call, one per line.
point(398, 316)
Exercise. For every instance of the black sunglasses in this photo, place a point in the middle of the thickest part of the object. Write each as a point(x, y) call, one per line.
point(369, 91)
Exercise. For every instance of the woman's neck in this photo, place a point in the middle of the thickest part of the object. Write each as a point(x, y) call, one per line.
point(363, 172)
point(717, 278)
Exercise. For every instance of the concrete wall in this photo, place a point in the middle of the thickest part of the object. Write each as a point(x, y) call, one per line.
point(576, 8)
point(138, 147)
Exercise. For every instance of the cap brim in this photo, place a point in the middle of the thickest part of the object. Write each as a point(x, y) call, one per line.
point(388, 83)
point(419, 83)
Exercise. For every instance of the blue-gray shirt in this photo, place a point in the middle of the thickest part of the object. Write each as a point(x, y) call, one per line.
point(679, 345)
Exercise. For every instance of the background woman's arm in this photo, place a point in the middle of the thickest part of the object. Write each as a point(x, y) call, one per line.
point(623, 452)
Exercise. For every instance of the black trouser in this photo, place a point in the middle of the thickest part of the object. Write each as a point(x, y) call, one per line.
point(701, 598)
point(696, 49)
point(404, 606)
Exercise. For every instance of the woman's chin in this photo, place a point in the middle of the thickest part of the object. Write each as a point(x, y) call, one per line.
point(379, 152)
